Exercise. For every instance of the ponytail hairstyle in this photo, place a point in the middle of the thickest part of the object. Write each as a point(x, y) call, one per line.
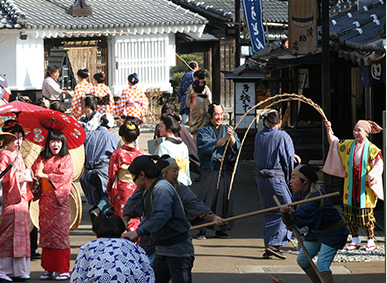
point(100, 77)
point(171, 121)
point(50, 70)
point(83, 73)
point(130, 129)
point(133, 79)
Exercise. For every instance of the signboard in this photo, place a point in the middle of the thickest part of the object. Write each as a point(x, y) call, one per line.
point(244, 100)
point(302, 26)
point(252, 10)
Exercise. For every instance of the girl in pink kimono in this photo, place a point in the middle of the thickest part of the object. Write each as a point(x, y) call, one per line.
point(55, 168)
point(14, 221)
point(120, 184)
point(360, 163)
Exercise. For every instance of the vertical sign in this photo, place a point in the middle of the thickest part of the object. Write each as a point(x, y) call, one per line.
point(244, 100)
point(252, 10)
point(302, 26)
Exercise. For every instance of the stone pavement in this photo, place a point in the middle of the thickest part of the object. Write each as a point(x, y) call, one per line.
point(238, 259)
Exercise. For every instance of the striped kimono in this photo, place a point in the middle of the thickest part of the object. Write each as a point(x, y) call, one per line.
point(274, 156)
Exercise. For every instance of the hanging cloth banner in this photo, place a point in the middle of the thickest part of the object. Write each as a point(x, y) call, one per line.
point(252, 10)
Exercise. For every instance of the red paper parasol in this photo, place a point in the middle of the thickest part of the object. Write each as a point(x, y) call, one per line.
point(38, 125)
point(15, 108)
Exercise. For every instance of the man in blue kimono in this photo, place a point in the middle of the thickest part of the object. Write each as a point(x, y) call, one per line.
point(274, 157)
point(211, 142)
point(186, 81)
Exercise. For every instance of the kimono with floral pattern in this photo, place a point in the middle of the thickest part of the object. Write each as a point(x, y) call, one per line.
point(54, 207)
point(120, 190)
point(14, 220)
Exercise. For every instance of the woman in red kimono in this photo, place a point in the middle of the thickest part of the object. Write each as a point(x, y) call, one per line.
point(106, 99)
point(55, 168)
point(14, 221)
point(120, 184)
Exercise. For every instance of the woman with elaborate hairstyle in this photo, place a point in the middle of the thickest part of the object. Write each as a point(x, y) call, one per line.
point(54, 167)
point(360, 163)
point(14, 221)
point(81, 89)
point(101, 90)
point(120, 184)
point(133, 101)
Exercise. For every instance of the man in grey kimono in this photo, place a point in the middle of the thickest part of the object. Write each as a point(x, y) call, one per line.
point(211, 141)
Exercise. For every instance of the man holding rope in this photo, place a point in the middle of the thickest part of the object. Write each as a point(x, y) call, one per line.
point(327, 231)
point(211, 141)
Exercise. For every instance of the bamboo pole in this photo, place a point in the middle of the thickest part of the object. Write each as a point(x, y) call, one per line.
point(296, 233)
point(263, 211)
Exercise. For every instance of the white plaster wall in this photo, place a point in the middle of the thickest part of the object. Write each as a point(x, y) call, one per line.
point(29, 63)
point(8, 58)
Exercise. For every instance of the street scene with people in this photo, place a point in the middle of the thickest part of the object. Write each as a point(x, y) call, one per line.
point(233, 141)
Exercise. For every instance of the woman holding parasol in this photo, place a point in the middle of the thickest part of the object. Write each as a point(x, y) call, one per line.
point(55, 168)
point(14, 223)
point(360, 163)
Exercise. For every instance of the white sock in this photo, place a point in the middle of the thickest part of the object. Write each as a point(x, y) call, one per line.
point(355, 240)
point(370, 242)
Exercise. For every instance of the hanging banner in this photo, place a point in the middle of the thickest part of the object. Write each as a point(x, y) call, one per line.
point(302, 26)
point(252, 10)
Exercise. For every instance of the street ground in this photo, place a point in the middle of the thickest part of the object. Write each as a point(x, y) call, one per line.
point(238, 259)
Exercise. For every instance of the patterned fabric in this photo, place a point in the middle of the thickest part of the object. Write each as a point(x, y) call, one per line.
point(198, 109)
point(132, 102)
point(112, 260)
point(54, 207)
point(14, 220)
point(359, 217)
point(179, 151)
point(345, 151)
point(186, 81)
point(120, 190)
point(81, 89)
point(101, 90)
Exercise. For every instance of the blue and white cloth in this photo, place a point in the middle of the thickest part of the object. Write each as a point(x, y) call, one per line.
point(186, 81)
point(112, 260)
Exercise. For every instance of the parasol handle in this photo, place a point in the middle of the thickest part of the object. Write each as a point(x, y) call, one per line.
point(263, 211)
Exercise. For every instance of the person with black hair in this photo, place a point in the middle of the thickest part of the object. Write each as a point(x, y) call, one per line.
point(186, 81)
point(327, 232)
point(50, 87)
point(91, 119)
point(274, 157)
point(173, 146)
point(14, 220)
point(105, 99)
point(110, 258)
point(133, 101)
point(100, 143)
point(199, 97)
point(164, 221)
point(58, 106)
point(81, 89)
point(54, 167)
point(211, 140)
point(120, 185)
point(194, 163)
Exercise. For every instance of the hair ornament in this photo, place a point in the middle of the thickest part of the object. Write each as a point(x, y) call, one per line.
point(201, 82)
point(130, 126)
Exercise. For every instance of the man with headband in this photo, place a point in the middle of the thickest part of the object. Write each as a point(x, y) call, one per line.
point(327, 232)
point(360, 163)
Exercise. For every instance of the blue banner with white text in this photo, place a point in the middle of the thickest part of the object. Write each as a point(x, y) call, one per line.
point(252, 10)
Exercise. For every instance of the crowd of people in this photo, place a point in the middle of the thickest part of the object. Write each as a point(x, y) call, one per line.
point(142, 206)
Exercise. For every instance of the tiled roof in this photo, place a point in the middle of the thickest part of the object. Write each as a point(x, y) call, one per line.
point(41, 14)
point(275, 11)
point(360, 30)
